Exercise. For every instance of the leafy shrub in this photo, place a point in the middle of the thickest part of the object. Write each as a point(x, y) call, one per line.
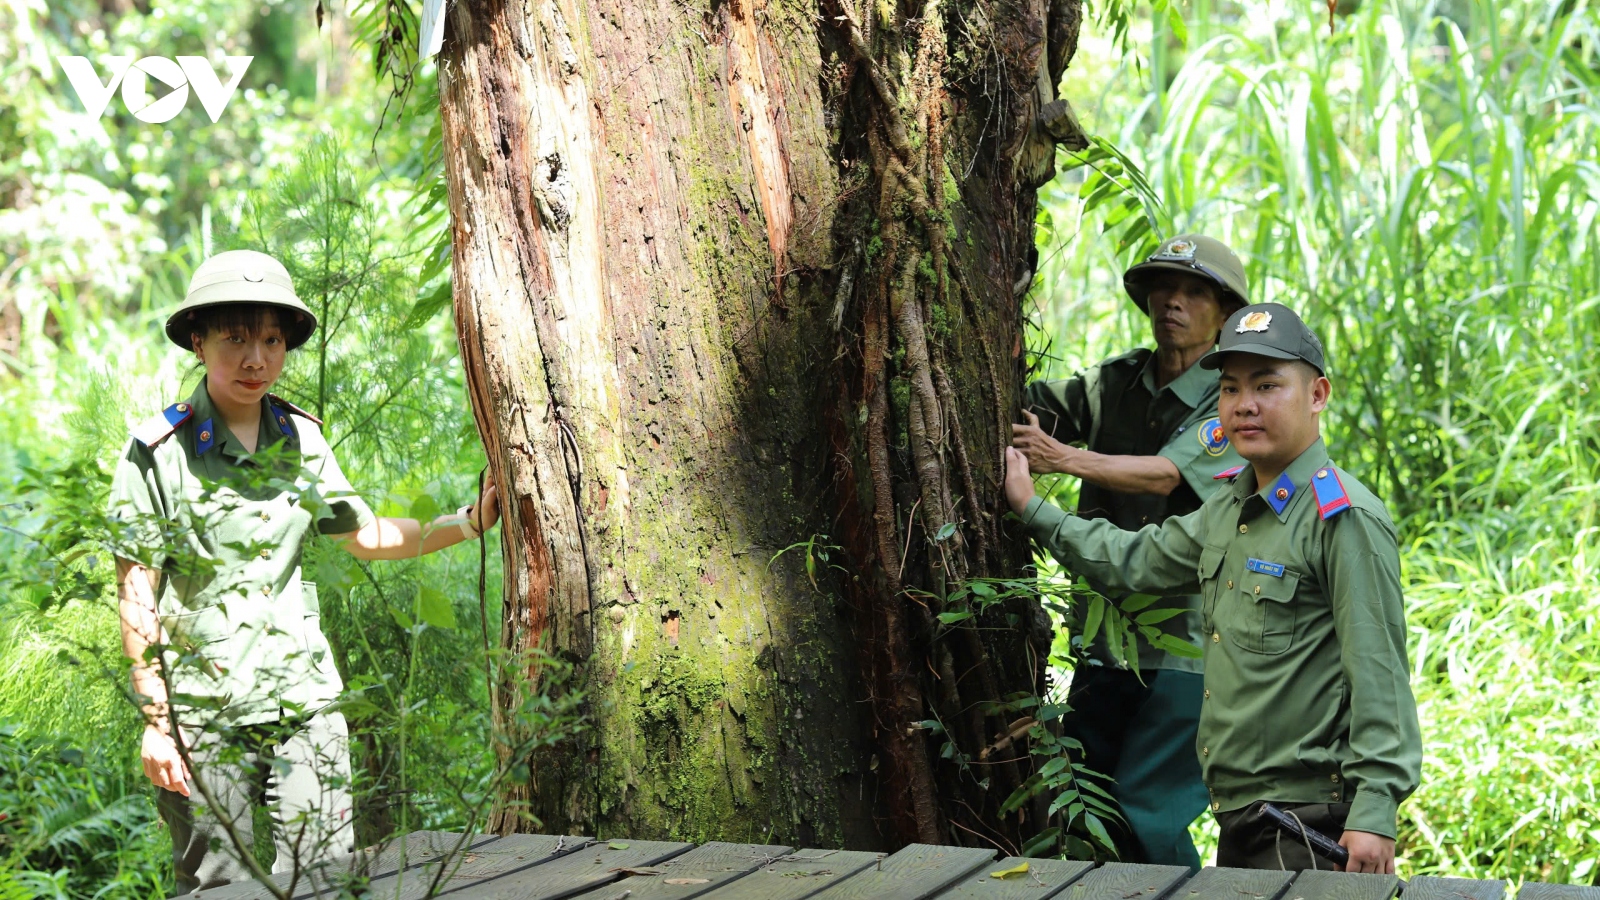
point(76, 825)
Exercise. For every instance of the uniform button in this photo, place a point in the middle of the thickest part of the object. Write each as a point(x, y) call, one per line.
point(1322, 473)
point(1244, 529)
point(265, 515)
point(1215, 805)
point(1215, 637)
point(1334, 796)
point(183, 407)
point(265, 553)
point(1205, 751)
point(1230, 582)
point(1334, 778)
point(1208, 693)
point(1258, 589)
point(1144, 520)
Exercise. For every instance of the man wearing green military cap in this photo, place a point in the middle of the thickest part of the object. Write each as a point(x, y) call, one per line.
point(1152, 442)
point(1307, 699)
point(217, 497)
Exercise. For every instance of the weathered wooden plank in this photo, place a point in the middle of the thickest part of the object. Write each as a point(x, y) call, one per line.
point(916, 872)
point(1044, 878)
point(1538, 890)
point(801, 874)
point(1323, 885)
point(709, 866)
point(512, 853)
point(1429, 888)
point(1234, 884)
point(574, 873)
point(417, 849)
point(1124, 881)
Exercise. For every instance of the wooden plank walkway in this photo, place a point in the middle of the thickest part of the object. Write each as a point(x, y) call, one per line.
point(549, 867)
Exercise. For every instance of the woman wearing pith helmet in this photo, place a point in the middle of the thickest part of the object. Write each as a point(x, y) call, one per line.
point(217, 497)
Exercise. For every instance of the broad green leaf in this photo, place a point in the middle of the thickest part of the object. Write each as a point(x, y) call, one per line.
point(433, 607)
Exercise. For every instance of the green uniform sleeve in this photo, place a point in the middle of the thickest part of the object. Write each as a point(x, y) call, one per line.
point(346, 510)
point(1064, 407)
point(1196, 462)
point(136, 507)
point(1157, 559)
point(1363, 572)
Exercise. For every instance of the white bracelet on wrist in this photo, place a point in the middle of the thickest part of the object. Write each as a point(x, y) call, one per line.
point(467, 528)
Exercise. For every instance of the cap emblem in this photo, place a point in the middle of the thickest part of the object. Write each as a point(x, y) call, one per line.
point(1177, 249)
point(1256, 321)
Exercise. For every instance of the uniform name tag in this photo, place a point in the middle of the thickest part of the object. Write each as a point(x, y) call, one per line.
point(1264, 567)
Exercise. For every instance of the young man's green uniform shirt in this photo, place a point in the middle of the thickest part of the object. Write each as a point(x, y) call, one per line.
point(231, 597)
point(1307, 694)
point(1116, 408)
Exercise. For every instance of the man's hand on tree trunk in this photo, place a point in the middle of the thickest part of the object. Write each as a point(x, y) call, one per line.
point(1045, 454)
point(1019, 481)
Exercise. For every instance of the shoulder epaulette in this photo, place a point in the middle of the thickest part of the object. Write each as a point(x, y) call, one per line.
point(1332, 498)
point(1228, 473)
point(155, 429)
point(275, 400)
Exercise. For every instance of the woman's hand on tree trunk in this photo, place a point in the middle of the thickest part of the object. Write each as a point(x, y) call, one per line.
point(163, 765)
point(486, 511)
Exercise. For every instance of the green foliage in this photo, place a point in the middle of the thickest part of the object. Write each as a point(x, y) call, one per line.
point(75, 825)
point(1421, 184)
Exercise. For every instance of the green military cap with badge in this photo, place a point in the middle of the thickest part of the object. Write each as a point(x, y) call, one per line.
point(241, 277)
point(1271, 330)
point(1190, 254)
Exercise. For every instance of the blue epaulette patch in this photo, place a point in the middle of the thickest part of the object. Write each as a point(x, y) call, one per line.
point(1228, 473)
point(280, 405)
point(1332, 498)
point(155, 429)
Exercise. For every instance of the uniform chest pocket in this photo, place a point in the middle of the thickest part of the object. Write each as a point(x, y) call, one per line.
point(1263, 614)
point(1210, 563)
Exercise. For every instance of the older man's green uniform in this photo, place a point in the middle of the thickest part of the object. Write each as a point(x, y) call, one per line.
point(1307, 697)
point(1139, 728)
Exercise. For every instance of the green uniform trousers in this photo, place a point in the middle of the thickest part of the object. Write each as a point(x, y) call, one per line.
point(1143, 737)
point(299, 773)
point(1250, 841)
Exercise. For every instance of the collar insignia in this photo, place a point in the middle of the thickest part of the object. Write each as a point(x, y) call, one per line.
point(1256, 321)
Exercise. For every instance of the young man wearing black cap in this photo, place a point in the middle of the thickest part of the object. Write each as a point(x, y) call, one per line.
point(1307, 700)
point(1153, 442)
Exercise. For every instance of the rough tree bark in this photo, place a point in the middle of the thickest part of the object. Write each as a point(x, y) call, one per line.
point(729, 279)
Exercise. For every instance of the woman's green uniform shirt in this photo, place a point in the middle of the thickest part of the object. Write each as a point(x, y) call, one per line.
point(227, 534)
point(1307, 691)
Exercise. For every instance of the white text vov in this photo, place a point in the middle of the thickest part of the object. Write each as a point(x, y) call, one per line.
point(187, 72)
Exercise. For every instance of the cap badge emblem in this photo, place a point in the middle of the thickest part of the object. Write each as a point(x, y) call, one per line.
point(1256, 321)
point(1178, 249)
point(255, 275)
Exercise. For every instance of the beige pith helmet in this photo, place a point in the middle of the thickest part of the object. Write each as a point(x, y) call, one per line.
point(1192, 254)
point(243, 277)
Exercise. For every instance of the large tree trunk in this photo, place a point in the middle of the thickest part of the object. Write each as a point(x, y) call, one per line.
point(730, 279)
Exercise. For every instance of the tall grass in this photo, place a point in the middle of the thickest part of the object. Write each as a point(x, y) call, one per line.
point(1423, 186)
